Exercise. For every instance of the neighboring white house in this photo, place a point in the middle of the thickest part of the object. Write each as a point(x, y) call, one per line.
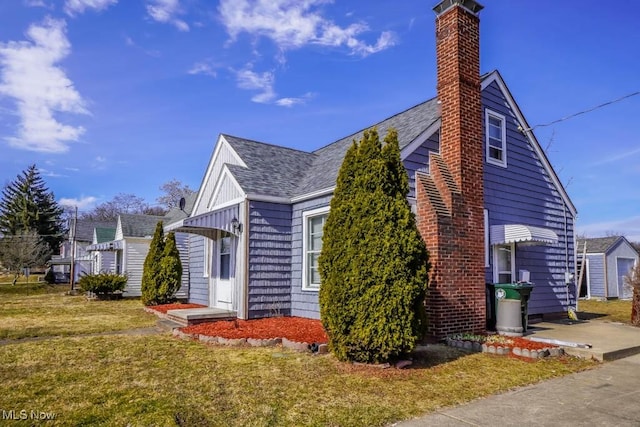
point(125, 254)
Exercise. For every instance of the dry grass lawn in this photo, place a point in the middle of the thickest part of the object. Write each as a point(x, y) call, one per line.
point(609, 310)
point(42, 310)
point(157, 380)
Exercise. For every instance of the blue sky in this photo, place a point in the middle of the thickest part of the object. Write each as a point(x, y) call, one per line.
point(111, 96)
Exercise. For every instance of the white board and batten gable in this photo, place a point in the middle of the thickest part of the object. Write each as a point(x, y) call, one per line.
point(219, 188)
point(119, 233)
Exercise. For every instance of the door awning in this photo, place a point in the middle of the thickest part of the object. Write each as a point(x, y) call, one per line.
point(208, 223)
point(113, 245)
point(520, 233)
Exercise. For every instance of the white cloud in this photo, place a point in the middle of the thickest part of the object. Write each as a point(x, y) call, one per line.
point(49, 173)
point(262, 82)
point(617, 157)
point(82, 202)
point(101, 159)
point(35, 3)
point(202, 68)
point(29, 74)
point(75, 7)
point(629, 227)
point(295, 23)
point(290, 102)
point(166, 12)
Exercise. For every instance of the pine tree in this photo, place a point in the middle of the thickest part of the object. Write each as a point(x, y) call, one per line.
point(151, 273)
point(27, 204)
point(373, 264)
point(170, 274)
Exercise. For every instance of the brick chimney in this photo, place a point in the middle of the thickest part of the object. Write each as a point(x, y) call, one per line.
point(450, 198)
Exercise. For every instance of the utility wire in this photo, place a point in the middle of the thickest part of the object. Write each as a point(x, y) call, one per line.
point(579, 113)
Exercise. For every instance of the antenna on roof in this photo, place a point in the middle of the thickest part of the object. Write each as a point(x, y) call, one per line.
point(182, 203)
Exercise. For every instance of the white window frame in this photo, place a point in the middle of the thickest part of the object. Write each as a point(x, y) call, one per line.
point(496, 273)
point(306, 216)
point(487, 114)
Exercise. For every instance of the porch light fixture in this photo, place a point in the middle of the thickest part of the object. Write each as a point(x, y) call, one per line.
point(236, 225)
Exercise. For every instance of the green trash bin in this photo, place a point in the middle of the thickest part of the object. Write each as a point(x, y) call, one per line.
point(512, 308)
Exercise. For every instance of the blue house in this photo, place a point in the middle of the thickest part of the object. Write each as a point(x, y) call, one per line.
point(607, 260)
point(256, 225)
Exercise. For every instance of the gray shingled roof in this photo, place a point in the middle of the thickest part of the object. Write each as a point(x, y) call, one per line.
point(271, 170)
point(139, 225)
point(597, 245)
point(284, 172)
point(84, 228)
point(176, 214)
point(409, 124)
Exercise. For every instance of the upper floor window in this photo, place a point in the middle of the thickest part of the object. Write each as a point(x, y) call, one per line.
point(496, 138)
point(312, 230)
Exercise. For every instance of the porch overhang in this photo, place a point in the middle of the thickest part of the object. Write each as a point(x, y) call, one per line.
point(524, 234)
point(59, 261)
point(115, 245)
point(208, 223)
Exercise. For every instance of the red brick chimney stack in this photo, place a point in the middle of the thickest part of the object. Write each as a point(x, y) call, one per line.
point(450, 199)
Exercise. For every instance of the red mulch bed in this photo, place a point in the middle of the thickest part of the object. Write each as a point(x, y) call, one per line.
point(166, 307)
point(530, 345)
point(292, 328)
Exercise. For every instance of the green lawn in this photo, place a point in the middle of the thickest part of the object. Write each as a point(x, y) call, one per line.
point(121, 380)
point(609, 310)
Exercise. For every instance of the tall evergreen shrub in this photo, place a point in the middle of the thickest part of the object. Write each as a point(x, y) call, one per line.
point(170, 274)
point(152, 266)
point(374, 264)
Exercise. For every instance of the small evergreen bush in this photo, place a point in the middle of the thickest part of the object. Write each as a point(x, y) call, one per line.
point(103, 284)
point(373, 264)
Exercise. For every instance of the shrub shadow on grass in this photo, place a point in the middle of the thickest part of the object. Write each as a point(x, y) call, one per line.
point(431, 355)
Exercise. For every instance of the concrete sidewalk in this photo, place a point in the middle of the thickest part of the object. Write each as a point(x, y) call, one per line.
point(607, 340)
point(606, 396)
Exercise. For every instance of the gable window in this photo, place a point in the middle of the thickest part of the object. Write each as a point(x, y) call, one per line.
point(496, 138)
point(504, 263)
point(312, 231)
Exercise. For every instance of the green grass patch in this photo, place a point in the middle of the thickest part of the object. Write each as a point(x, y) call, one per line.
point(158, 380)
point(610, 310)
point(47, 311)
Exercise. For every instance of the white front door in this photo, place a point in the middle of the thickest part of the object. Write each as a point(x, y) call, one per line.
point(223, 277)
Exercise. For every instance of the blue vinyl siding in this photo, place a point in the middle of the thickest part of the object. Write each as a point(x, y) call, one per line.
point(182, 243)
point(303, 303)
point(524, 193)
point(198, 285)
point(596, 275)
point(418, 160)
point(269, 259)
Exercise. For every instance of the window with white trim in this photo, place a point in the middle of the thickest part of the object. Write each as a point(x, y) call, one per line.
point(504, 263)
point(312, 231)
point(496, 138)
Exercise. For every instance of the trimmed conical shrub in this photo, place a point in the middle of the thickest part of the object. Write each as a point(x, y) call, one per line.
point(373, 264)
point(152, 263)
point(170, 274)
